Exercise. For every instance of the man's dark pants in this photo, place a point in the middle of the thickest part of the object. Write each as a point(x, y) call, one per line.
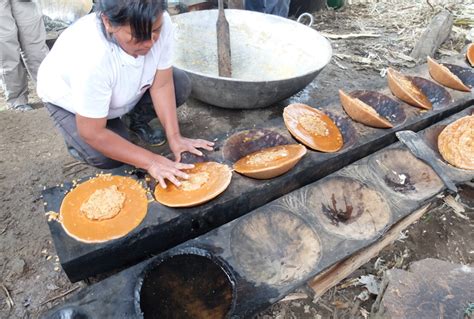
point(65, 121)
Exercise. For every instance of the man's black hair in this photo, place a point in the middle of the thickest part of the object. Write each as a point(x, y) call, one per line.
point(139, 14)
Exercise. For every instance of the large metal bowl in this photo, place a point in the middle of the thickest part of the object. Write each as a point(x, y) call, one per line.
point(272, 57)
point(66, 11)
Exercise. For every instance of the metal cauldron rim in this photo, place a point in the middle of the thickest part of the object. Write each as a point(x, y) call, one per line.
point(284, 20)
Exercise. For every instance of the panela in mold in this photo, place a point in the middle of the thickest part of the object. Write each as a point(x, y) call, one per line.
point(94, 212)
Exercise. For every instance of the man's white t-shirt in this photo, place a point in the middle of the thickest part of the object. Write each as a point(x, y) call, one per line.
point(89, 75)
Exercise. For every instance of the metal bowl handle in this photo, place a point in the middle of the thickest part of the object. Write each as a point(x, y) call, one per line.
point(306, 15)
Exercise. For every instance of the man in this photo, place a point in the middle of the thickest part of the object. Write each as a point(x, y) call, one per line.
point(22, 43)
point(112, 63)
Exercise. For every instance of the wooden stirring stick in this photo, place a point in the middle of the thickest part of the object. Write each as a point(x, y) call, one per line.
point(223, 43)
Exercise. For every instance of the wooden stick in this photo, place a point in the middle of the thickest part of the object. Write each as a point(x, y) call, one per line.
point(10, 302)
point(71, 165)
point(350, 35)
point(76, 171)
point(457, 208)
point(294, 296)
point(60, 295)
point(354, 58)
point(223, 43)
point(335, 274)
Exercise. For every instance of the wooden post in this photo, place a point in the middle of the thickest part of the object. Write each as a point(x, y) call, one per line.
point(435, 34)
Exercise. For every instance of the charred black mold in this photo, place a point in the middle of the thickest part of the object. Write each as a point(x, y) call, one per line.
point(385, 106)
point(437, 94)
point(466, 75)
point(246, 142)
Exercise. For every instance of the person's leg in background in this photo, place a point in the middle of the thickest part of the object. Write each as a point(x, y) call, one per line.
point(138, 119)
point(12, 72)
point(276, 7)
point(255, 5)
point(22, 35)
point(31, 33)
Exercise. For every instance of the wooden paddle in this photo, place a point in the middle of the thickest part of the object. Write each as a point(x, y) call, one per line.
point(223, 43)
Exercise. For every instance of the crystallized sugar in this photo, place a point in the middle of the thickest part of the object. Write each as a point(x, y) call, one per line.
point(195, 181)
point(104, 203)
point(314, 124)
point(267, 156)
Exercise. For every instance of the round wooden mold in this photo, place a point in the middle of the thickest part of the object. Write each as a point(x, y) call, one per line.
point(431, 137)
point(406, 175)
point(190, 285)
point(456, 143)
point(83, 229)
point(207, 181)
point(346, 126)
point(438, 95)
point(466, 75)
point(470, 54)
point(450, 75)
point(313, 128)
point(190, 158)
point(246, 142)
point(418, 91)
point(274, 247)
point(386, 107)
point(270, 162)
point(403, 88)
point(348, 208)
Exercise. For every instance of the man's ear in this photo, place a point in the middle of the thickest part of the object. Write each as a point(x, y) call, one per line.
point(108, 26)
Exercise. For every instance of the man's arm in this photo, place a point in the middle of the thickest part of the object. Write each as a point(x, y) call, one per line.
point(112, 145)
point(95, 133)
point(164, 102)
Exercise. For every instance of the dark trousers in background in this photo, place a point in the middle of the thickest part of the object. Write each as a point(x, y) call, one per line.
point(65, 121)
point(276, 7)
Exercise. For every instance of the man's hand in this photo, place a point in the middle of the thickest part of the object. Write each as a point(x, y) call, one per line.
point(179, 144)
point(162, 168)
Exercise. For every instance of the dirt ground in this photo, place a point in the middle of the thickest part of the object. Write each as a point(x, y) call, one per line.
point(33, 156)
